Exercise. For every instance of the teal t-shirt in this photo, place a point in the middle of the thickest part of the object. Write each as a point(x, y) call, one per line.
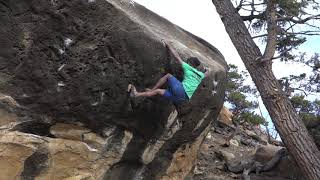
point(192, 79)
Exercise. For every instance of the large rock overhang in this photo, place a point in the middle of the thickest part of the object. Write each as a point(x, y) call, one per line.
point(72, 61)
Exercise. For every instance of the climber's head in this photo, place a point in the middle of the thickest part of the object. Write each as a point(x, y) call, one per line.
point(194, 62)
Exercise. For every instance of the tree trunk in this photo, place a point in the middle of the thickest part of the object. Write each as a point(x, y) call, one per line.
point(288, 123)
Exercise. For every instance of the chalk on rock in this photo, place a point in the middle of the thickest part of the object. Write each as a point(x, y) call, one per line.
point(67, 42)
point(61, 51)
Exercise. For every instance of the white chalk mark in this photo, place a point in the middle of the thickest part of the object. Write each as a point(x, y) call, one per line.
point(202, 120)
point(61, 84)
point(67, 42)
point(95, 104)
point(61, 51)
point(215, 83)
point(90, 148)
point(102, 97)
point(25, 95)
point(60, 68)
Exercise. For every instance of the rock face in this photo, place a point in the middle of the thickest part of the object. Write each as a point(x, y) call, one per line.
point(225, 116)
point(64, 110)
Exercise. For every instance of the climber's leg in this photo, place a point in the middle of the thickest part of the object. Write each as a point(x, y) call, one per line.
point(135, 93)
point(174, 93)
point(150, 93)
point(161, 82)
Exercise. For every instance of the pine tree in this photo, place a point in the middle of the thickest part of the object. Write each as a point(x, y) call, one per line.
point(241, 98)
point(279, 20)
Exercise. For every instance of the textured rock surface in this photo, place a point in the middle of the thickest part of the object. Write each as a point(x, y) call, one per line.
point(265, 153)
point(65, 113)
point(225, 116)
point(216, 161)
point(31, 156)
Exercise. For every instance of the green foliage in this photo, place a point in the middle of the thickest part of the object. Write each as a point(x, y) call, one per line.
point(307, 108)
point(292, 7)
point(309, 111)
point(286, 42)
point(301, 104)
point(295, 19)
point(314, 79)
point(309, 117)
point(239, 97)
point(253, 118)
point(258, 25)
point(309, 83)
point(240, 100)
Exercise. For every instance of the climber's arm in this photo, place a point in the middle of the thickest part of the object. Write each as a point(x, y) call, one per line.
point(173, 52)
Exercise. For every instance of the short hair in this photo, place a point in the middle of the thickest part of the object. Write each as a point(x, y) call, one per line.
point(194, 61)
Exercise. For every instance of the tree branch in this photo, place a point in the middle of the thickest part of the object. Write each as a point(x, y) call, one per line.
point(272, 31)
point(253, 16)
point(240, 5)
point(307, 33)
point(250, 4)
point(282, 54)
point(298, 21)
point(259, 36)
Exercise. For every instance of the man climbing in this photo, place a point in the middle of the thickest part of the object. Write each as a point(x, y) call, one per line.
point(177, 91)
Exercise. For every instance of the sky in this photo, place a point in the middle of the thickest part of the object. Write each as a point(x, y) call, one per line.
point(200, 18)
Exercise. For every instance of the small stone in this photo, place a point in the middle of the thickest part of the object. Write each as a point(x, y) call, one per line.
point(197, 171)
point(234, 142)
point(252, 134)
point(227, 156)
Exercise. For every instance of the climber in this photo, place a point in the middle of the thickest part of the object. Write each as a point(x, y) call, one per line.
point(177, 91)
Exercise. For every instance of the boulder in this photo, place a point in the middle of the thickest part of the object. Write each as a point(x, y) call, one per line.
point(31, 156)
point(285, 168)
point(265, 153)
point(225, 116)
point(67, 63)
point(225, 155)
